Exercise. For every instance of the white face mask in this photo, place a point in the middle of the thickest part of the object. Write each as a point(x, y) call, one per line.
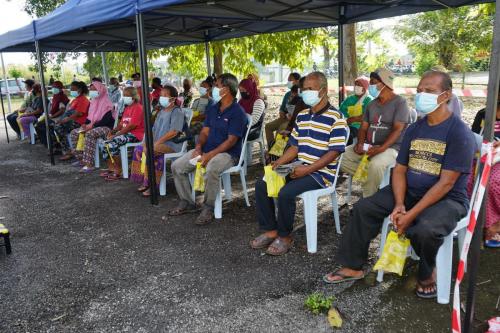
point(358, 91)
point(289, 84)
point(127, 100)
point(165, 101)
point(93, 94)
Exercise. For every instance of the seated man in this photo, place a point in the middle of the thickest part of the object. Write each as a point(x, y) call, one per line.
point(428, 193)
point(114, 92)
point(281, 122)
point(219, 146)
point(317, 140)
point(384, 122)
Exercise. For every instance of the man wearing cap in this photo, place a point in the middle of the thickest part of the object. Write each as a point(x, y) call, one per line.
point(28, 99)
point(354, 106)
point(381, 131)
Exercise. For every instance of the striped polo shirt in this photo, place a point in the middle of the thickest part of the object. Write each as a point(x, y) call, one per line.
point(315, 134)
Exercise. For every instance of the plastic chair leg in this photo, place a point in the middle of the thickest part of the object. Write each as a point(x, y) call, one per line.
point(226, 182)
point(383, 237)
point(32, 133)
point(97, 157)
point(335, 206)
point(461, 238)
point(249, 153)
point(443, 269)
point(124, 159)
point(311, 222)
point(218, 204)
point(262, 154)
point(244, 185)
point(193, 192)
point(349, 188)
point(163, 180)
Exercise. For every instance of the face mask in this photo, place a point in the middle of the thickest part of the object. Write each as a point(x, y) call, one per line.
point(311, 97)
point(137, 84)
point(289, 84)
point(127, 100)
point(244, 95)
point(373, 90)
point(93, 94)
point(427, 103)
point(111, 87)
point(73, 93)
point(56, 91)
point(203, 91)
point(216, 95)
point(164, 101)
point(358, 91)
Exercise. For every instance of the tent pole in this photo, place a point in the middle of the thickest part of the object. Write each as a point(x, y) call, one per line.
point(207, 55)
point(9, 102)
point(4, 119)
point(44, 101)
point(146, 107)
point(341, 62)
point(104, 68)
point(488, 135)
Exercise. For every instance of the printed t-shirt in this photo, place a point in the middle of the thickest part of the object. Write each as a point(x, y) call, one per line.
point(351, 108)
point(133, 114)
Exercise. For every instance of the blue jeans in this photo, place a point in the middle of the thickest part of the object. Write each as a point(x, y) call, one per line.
point(286, 204)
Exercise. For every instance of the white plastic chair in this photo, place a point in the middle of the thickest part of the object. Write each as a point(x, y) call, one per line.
point(386, 180)
point(310, 199)
point(124, 156)
point(260, 141)
point(225, 177)
point(188, 114)
point(32, 133)
point(444, 256)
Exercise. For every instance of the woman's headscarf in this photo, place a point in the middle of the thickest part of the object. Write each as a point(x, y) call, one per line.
point(59, 98)
point(100, 105)
point(251, 88)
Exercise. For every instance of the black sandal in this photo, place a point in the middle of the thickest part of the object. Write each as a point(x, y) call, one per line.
point(423, 293)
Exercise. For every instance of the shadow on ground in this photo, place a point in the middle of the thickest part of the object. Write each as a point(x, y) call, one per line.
point(90, 256)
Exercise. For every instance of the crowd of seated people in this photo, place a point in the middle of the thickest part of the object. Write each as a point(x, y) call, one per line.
point(431, 158)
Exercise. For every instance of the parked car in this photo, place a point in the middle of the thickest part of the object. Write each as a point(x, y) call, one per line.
point(15, 88)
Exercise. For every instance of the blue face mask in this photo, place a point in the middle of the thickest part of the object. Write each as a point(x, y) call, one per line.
point(373, 90)
point(56, 91)
point(203, 91)
point(164, 101)
point(311, 97)
point(289, 84)
point(427, 103)
point(93, 94)
point(73, 93)
point(216, 95)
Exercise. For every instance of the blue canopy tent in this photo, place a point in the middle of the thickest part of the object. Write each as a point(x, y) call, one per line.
point(138, 25)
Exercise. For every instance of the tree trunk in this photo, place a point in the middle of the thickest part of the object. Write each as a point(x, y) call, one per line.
point(90, 61)
point(326, 56)
point(350, 65)
point(218, 53)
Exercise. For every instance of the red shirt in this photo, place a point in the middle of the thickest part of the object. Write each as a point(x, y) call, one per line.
point(133, 114)
point(81, 105)
point(155, 95)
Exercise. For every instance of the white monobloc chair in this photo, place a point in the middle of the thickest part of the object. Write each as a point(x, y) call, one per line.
point(385, 181)
point(225, 177)
point(188, 114)
point(444, 256)
point(310, 199)
point(260, 141)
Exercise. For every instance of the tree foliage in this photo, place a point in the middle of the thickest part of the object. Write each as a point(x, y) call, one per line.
point(374, 55)
point(453, 37)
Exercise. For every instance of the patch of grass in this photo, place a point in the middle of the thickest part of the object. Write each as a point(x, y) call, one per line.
point(318, 303)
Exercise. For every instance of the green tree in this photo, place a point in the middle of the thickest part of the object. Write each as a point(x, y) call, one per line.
point(372, 50)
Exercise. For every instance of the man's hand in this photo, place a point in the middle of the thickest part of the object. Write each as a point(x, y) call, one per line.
point(284, 133)
point(205, 158)
point(398, 210)
point(282, 115)
point(157, 146)
point(358, 148)
point(196, 152)
point(375, 150)
point(300, 171)
point(402, 223)
point(110, 136)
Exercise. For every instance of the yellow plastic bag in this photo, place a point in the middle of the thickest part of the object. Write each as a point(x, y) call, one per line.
point(355, 110)
point(196, 114)
point(361, 174)
point(199, 178)
point(80, 145)
point(273, 181)
point(394, 254)
point(279, 145)
point(143, 163)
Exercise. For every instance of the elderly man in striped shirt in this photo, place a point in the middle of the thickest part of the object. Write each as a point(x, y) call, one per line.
point(317, 140)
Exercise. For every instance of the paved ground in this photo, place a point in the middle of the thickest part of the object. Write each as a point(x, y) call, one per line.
point(89, 256)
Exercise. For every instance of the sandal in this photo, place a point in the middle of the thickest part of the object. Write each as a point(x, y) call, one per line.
point(494, 242)
point(86, 169)
point(184, 207)
point(261, 242)
point(112, 177)
point(279, 247)
point(206, 216)
point(426, 294)
point(104, 174)
point(146, 193)
point(142, 188)
point(345, 278)
point(66, 157)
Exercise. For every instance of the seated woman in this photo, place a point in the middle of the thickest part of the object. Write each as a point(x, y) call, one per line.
point(100, 121)
point(169, 123)
point(492, 224)
point(58, 106)
point(129, 130)
point(250, 100)
point(28, 99)
point(354, 106)
point(33, 112)
point(74, 117)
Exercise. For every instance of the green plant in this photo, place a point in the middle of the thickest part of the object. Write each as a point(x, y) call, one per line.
point(318, 303)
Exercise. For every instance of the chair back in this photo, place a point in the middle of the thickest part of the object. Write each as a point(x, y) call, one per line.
point(244, 142)
point(188, 115)
point(340, 158)
point(257, 130)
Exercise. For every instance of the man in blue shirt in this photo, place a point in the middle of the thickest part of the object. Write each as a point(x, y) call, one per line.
point(427, 196)
point(219, 148)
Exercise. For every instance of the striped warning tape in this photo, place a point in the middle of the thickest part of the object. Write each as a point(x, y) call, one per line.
point(487, 157)
point(480, 93)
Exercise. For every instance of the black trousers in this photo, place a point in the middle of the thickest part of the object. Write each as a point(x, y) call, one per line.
point(12, 119)
point(426, 233)
point(286, 204)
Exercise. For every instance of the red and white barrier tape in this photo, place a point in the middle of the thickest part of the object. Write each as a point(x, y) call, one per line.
point(487, 158)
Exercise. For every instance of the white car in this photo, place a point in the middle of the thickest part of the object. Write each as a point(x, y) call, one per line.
point(15, 88)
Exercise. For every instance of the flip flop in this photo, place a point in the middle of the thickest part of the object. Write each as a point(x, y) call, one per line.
point(281, 247)
point(112, 177)
point(344, 277)
point(142, 189)
point(426, 295)
point(182, 210)
point(261, 242)
point(492, 244)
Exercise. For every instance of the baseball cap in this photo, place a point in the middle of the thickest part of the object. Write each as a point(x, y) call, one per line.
point(385, 76)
